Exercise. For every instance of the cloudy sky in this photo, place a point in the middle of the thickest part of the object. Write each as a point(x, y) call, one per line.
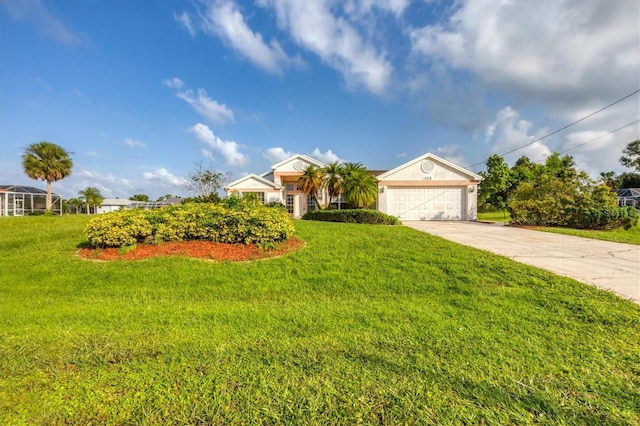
point(142, 91)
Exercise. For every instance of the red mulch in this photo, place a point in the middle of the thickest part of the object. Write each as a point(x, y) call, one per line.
point(198, 249)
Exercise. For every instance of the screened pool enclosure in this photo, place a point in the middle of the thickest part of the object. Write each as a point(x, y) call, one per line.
point(17, 200)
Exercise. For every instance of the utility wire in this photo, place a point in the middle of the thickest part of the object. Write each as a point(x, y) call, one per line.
point(601, 136)
point(560, 129)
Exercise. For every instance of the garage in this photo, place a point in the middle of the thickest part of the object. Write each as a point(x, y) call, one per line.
point(438, 203)
point(428, 188)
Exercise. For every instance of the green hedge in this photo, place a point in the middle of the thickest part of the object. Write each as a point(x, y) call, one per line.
point(248, 223)
point(607, 218)
point(352, 216)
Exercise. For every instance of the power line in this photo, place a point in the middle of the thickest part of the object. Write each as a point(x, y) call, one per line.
point(560, 129)
point(601, 136)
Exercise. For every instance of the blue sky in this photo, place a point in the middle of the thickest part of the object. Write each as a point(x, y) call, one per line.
point(142, 91)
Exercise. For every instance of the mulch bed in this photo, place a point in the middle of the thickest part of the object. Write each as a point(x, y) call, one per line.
point(198, 249)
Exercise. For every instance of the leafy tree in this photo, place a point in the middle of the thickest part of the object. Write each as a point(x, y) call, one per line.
point(311, 181)
point(165, 197)
point(204, 182)
point(557, 194)
point(609, 179)
point(360, 188)
point(631, 155)
point(628, 180)
point(139, 197)
point(563, 168)
point(493, 190)
point(48, 162)
point(91, 197)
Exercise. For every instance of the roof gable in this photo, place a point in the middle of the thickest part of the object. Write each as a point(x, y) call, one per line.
point(429, 165)
point(251, 181)
point(297, 163)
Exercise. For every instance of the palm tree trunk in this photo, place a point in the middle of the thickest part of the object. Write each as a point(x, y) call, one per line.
point(48, 201)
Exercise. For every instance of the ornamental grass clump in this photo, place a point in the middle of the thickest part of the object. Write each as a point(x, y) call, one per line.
point(247, 223)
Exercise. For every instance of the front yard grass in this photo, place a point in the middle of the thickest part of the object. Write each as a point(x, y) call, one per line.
point(629, 236)
point(366, 325)
point(494, 216)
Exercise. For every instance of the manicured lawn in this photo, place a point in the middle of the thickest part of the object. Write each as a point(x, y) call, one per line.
point(630, 236)
point(366, 325)
point(495, 216)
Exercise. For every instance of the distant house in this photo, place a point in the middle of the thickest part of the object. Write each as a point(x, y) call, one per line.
point(425, 188)
point(629, 197)
point(18, 200)
point(113, 205)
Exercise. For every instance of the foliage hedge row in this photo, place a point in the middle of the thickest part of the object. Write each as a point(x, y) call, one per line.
point(608, 218)
point(246, 223)
point(352, 216)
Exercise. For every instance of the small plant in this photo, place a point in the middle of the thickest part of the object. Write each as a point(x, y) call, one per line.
point(126, 249)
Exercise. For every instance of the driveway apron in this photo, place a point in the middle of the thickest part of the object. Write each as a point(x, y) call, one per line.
point(608, 265)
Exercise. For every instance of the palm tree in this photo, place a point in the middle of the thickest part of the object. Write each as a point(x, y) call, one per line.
point(311, 182)
point(91, 197)
point(333, 180)
point(360, 188)
point(46, 161)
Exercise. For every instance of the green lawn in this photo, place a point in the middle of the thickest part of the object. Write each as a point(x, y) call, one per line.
point(366, 325)
point(630, 236)
point(495, 216)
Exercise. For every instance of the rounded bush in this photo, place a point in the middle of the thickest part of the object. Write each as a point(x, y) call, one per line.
point(245, 223)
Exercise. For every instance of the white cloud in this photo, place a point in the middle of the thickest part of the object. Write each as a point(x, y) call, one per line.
point(207, 154)
point(132, 143)
point(401, 155)
point(228, 149)
point(509, 131)
point(185, 20)
point(207, 107)
point(453, 153)
point(277, 154)
point(362, 7)
point(163, 178)
point(43, 19)
point(174, 83)
point(326, 157)
point(336, 41)
point(223, 19)
point(570, 53)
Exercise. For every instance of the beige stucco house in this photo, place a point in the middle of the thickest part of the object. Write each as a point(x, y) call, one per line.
point(425, 188)
point(280, 184)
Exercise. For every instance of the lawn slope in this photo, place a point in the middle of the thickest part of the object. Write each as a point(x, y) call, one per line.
point(367, 324)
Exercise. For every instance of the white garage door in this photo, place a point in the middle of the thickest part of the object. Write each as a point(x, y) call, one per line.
point(440, 203)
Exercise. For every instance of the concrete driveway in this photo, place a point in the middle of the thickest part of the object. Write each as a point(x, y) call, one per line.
point(611, 266)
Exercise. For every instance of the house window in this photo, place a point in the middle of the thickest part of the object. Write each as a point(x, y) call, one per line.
point(311, 205)
point(290, 204)
point(289, 186)
point(259, 195)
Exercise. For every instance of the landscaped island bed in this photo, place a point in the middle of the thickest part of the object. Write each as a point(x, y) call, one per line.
point(367, 324)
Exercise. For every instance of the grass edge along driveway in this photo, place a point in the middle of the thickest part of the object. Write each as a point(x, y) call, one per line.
point(367, 324)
